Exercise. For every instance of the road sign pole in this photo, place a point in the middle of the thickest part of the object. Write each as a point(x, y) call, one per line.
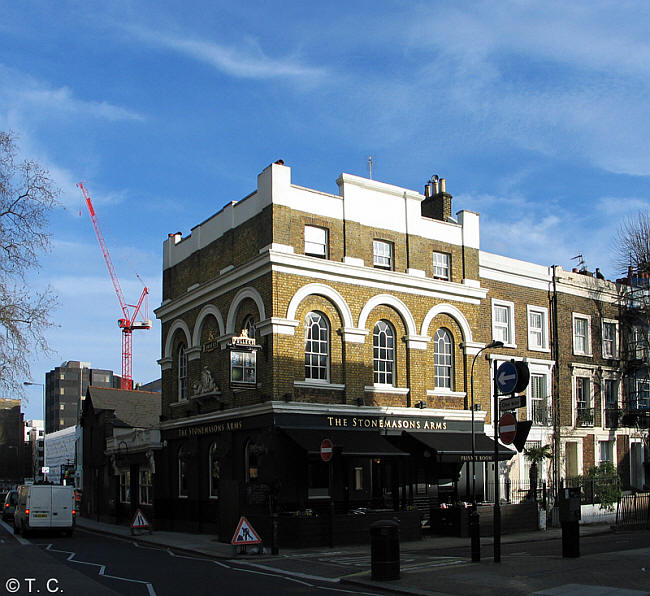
point(497, 508)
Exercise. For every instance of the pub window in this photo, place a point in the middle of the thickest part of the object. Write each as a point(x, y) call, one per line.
point(383, 344)
point(125, 486)
point(214, 472)
point(443, 359)
point(182, 373)
point(145, 486)
point(317, 333)
point(318, 480)
point(183, 484)
point(252, 456)
point(358, 478)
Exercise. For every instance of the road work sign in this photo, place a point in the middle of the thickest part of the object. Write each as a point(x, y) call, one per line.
point(244, 534)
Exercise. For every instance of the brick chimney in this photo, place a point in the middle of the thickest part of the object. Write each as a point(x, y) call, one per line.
point(437, 201)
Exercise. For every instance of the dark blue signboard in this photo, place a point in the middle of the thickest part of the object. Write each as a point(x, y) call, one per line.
point(507, 377)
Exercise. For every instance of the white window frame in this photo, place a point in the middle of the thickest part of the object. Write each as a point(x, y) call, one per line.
point(610, 449)
point(125, 486)
point(576, 351)
point(182, 372)
point(509, 325)
point(145, 488)
point(441, 265)
point(439, 359)
point(534, 331)
point(383, 354)
point(382, 254)
point(617, 396)
point(544, 401)
point(614, 340)
point(316, 241)
point(588, 372)
point(327, 345)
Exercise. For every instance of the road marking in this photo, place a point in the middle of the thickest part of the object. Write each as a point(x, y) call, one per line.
point(102, 569)
point(332, 580)
point(10, 529)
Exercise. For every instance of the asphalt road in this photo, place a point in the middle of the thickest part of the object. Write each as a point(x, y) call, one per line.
point(89, 563)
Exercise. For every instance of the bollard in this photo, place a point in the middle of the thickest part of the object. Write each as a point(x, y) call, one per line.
point(475, 534)
point(384, 550)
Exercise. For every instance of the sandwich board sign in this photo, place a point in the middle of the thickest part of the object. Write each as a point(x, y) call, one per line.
point(244, 534)
point(140, 522)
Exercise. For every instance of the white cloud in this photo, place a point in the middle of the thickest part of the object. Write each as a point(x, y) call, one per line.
point(245, 61)
point(25, 94)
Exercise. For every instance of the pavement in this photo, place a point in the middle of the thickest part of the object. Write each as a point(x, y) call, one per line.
point(521, 573)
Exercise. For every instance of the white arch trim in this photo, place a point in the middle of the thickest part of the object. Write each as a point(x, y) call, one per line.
point(327, 292)
point(208, 309)
point(176, 325)
point(237, 300)
point(454, 313)
point(388, 300)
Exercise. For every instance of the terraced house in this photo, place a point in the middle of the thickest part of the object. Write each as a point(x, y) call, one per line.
point(318, 353)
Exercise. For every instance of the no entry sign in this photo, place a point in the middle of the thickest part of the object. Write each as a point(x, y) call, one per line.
point(507, 428)
point(326, 450)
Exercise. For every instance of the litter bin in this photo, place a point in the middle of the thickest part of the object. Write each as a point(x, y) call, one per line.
point(384, 550)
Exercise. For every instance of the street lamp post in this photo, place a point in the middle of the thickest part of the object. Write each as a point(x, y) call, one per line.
point(474, 519)
point(27, 384)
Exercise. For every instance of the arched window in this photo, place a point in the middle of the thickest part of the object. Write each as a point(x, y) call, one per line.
point(317, 340)
point(443, 359)
point(183, 487)
point(214, 471)
point(383, 344)
point(249, 325)
point(182, 373)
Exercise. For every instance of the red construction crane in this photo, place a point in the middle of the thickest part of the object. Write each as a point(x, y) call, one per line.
point(127, 323)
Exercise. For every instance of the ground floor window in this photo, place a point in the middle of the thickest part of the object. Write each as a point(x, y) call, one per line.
point(125, 486)
point(319, 479)
point(145, 486)
point(215, 472)
point(183, 487)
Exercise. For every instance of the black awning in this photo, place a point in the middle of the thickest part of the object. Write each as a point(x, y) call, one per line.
point(347, 442)
point(457, 447)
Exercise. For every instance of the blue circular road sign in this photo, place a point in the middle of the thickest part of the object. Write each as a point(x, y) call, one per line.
point(507, 377)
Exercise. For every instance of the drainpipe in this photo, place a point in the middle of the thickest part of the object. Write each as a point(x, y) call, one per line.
point(556, 387)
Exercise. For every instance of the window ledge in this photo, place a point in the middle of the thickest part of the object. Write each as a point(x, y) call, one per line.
point(386, 389)
point(545, 350)
point(445, 393)
point(176, 404)
point(319, 385)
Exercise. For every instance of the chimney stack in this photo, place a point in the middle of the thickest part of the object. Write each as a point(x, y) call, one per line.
point(437, 201)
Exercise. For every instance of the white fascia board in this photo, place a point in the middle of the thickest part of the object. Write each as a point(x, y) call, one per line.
point(390, 281)
point(514, 271)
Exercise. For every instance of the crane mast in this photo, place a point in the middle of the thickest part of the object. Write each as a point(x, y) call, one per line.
point(128, 321)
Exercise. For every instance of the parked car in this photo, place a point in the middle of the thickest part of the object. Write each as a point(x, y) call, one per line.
point(9, 505)
point(45, 507)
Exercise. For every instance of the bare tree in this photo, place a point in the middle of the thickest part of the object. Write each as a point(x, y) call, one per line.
point(27, 196)
point(632, 243)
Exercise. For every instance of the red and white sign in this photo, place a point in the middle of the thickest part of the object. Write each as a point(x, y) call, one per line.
point(326, 450)
point(139, 521)
point(507, 428)
point(244, 534)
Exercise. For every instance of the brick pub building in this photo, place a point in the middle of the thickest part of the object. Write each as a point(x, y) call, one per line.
point(294, 316)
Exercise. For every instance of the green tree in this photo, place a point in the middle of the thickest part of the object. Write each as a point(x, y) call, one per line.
point(602, 484)
point(536, 455)
point(27, 196)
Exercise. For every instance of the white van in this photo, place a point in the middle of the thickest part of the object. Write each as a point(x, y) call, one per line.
point(45, 507)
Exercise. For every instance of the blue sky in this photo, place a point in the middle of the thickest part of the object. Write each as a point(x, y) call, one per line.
point(535, 112)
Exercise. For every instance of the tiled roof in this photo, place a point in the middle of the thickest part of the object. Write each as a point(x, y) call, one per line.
point(138, 409)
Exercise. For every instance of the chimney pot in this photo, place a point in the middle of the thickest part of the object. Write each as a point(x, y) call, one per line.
point(443, 185)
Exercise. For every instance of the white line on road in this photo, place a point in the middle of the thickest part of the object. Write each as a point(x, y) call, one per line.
point(102, 569)
point(10, 529)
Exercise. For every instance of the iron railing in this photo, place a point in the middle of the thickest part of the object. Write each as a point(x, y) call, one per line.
point(584, 416)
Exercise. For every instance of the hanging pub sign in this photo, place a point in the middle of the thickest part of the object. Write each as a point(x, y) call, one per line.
point(243, 360)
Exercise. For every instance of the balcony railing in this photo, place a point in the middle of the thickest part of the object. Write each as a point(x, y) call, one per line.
point(540, 413)
point(612, 417)
point(585, 416)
